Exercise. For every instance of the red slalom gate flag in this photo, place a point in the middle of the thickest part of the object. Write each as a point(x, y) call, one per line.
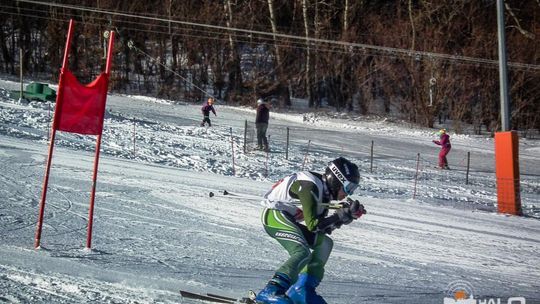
point(80, 108)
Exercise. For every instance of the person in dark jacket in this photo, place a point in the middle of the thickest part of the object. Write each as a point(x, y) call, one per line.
point(444, 142)
point(261, 124)
point(206, 108)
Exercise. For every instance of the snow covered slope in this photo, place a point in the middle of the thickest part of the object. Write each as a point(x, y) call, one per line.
point(156, 230)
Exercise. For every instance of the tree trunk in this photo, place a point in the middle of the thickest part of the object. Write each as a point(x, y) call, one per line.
point(234, 87)
point(285, 98)
point(308, 54)
point(412, 25)
point(5, 52)
point(346, 82)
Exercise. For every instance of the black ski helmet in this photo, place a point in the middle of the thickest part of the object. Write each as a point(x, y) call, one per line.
point(341, 173)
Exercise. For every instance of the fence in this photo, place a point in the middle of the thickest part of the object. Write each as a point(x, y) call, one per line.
point(467, 184)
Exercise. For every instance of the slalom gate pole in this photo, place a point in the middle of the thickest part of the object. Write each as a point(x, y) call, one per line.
point(416, 174)
point(98, 148)
point(232, 149)
point(109, 54)
point(59, 97)
point(44, 191)
point(305, 157)
point(93, 195)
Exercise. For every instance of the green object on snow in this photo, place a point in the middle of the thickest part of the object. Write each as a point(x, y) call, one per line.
point(36, 91)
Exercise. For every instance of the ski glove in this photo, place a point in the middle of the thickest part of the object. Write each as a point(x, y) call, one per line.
point(350, 210)
point(355, 208)
point(329, 224)
point(344, 214)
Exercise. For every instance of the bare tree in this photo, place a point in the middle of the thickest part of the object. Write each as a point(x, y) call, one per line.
point(308, 73)
point(282, 84)
point(241, 65)
point(234, 88)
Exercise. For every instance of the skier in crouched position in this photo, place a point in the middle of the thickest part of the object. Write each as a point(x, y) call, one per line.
point(309, 245)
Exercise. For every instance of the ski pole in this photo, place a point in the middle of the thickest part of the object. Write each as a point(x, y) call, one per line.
point(239, 195)
point(260, 198)
point(332, 206)
point(326, 205)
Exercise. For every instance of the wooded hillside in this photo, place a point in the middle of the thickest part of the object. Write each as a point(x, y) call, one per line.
point(421, 61)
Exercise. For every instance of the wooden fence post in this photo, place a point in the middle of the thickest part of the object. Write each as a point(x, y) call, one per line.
point(416, 174)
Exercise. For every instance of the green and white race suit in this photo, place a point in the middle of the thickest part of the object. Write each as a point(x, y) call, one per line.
point(308, 248)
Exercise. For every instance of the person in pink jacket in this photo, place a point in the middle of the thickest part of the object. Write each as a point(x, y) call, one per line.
point(206, 108)
point(444, 142)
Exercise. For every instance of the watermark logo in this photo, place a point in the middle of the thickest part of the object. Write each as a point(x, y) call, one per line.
point(459, 292)
point(462, 292)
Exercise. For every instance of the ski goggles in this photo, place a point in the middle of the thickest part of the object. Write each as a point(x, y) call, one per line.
point(349, 187)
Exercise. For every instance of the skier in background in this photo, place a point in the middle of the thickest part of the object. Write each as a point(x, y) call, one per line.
point(308, 245)
point(206, 108)
point(444, 142)
point(261, 124)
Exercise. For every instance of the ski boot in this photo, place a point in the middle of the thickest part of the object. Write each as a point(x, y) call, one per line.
point(303, 291)
point(274, 291)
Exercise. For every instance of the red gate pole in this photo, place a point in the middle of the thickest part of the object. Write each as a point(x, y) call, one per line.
point(93, 195)
point(98, 148)
point(53, 135)
point(44, 192)
point(109, 55)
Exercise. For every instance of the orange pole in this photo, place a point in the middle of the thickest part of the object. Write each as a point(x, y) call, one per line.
point(507, 172)
point(57, 114)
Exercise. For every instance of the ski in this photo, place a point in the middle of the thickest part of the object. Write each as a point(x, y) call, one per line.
point(220, 296)
point(215, 298)
point(250, 299)
point(205, 297)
